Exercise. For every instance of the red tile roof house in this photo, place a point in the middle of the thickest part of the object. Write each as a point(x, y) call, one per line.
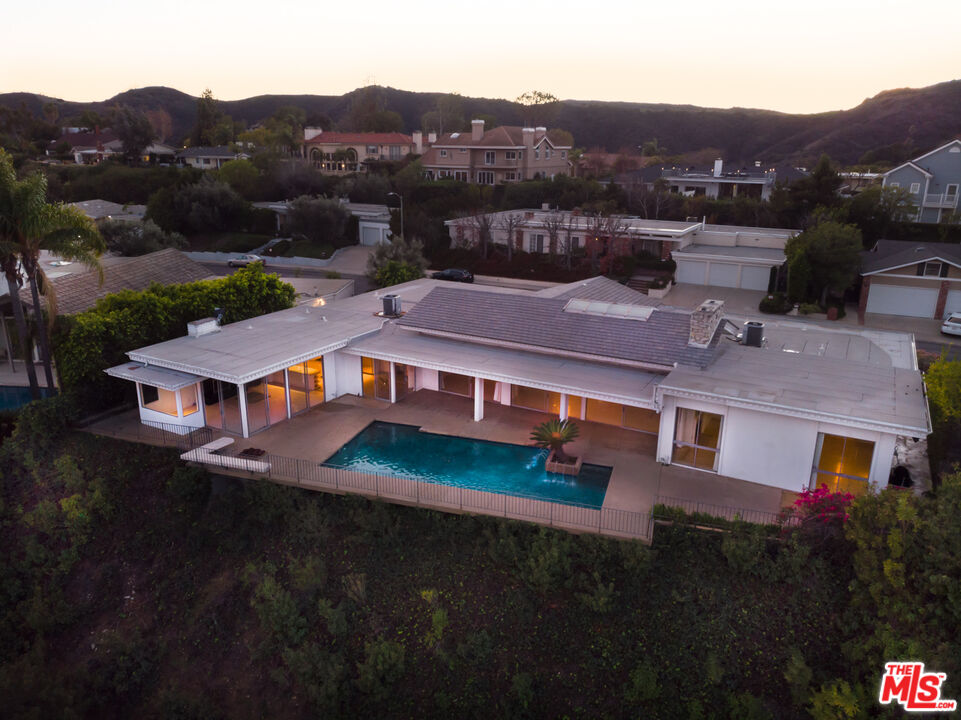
point(503, 154)
point(339, 153)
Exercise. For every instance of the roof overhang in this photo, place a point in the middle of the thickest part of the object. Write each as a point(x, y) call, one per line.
point(925, 258)
point(158, 377)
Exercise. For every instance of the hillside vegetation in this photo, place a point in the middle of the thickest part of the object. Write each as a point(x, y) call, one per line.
point(134, 586)
point(890, 127)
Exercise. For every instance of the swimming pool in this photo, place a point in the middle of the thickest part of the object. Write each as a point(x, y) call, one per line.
point(12, 396)
point(405, 451)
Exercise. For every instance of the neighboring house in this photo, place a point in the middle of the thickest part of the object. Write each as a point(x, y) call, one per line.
point(373, 220)
point(724, 255)
point(209, 158)
point(912, 279)
point(87, 147)
point(754, 182)
point(98, 210)
point(800, 408)
point(80, 290)
point(932, 182)
point(339, 153)
point(504, 154)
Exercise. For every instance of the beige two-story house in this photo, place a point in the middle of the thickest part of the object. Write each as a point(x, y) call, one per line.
point(504, 154)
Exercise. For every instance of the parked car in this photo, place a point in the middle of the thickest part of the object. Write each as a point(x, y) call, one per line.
point(245, 260)
point(454, 274)
point(952, 324)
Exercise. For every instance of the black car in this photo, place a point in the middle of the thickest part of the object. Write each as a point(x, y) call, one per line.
point(454, 274)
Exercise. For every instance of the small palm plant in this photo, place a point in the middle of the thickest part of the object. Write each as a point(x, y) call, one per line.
point(554, 434)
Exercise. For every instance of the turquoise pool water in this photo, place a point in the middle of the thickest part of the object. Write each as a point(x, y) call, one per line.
point(12, 397)
point(405, 451)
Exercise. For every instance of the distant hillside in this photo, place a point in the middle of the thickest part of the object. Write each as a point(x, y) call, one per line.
point(892, 126)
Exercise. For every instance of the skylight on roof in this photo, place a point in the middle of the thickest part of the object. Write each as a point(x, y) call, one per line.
point(607, 309)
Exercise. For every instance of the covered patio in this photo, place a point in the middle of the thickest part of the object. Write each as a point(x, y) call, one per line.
point(637, 479)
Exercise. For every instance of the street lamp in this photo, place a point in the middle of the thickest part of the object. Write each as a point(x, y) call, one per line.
point(401, 199)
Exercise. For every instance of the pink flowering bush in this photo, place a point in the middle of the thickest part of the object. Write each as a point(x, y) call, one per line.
point(820, 513)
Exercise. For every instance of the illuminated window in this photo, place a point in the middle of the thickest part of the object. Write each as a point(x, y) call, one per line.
point(159, 400)
point(842, 463)
point(697, 436)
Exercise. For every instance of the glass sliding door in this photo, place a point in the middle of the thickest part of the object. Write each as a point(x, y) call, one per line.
point(230, 406)
point(697, 436)
point(276, 397)
point(382, 380)
point(299, 382)
point(211, 390)
point(315, 381)
point(367, 376)
point(641, 419)
point(456, 384)
point(842, 463)
point(402, 380)
point(256, 391)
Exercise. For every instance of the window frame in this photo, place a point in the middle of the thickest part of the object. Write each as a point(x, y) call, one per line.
point(490, 157)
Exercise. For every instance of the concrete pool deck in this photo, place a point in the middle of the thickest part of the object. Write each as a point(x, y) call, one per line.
point(636, 481)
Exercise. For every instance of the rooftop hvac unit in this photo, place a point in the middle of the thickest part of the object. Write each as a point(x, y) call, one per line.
point(753, 333)
point(391, 305)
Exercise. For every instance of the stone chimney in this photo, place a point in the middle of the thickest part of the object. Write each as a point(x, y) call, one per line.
point(718, 167)
point(476, 130)
point(704, 322)
point(418, 137)
point(528, 134)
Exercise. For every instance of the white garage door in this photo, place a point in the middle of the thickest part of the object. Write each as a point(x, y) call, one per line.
point(369, 235)
point(755, 278)
point(724, 275)
point(900, 300)
point(954, 301)
point(691, 271)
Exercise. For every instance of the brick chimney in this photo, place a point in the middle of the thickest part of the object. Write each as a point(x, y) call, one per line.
point(704, 322)
point(528, 134)
point(476, 130)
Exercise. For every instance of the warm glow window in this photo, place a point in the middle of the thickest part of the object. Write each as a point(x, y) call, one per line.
point(842, 463)
point(697, 437)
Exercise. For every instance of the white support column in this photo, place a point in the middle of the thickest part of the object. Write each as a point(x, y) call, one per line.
point(583, 408)
point(242, 402)
point(286, 378)
point(478, 399)
point(393, 384)
point(201, 403)
point(180, 405)
point(563, 406)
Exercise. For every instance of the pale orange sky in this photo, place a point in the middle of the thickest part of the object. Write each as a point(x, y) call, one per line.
point(793, 57)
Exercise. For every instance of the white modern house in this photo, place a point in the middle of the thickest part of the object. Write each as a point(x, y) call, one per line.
point(785, 406)
point(722, 255)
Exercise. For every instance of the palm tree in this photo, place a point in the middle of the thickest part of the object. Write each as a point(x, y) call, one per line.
point(29, 224)
point(554, 434)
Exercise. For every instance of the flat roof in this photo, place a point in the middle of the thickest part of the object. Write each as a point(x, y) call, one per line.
point(557, 374)
point(874, 395)
point(155, 376)
point(245, 350)
point(765, 255)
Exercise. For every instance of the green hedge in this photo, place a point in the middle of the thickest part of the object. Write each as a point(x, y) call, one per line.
point(87, 343)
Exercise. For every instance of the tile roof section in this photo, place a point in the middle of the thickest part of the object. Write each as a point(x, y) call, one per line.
point(600, 288)
point(344, 138)
point(888, 254)
point(80, 291)
point(539, 323)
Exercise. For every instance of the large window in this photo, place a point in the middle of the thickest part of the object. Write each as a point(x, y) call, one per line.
point(842, 463)
point(535, 399)
point(489, 157)
point(485, 177)
point(159, 400)
point(456, 384)
point(367, 376)
point(697, 436)
point(537, 243)
point(607, 413)
point(306, 381)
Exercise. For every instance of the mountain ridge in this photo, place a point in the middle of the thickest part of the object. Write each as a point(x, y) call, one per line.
point(893, 125)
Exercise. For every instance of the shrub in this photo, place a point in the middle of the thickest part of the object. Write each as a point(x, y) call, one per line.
point(130, 239)
point(382, 666)
point(775, 304)
point(809, 308)
point(395, 273)
point(644, 686)
point(278, 613)
point(321, 221)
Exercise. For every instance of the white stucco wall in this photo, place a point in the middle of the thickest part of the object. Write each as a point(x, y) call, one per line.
point(427, 379)
point(341, 375)
point(769, 448)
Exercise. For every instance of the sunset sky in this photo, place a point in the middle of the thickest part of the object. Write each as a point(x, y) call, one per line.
point(804, 57)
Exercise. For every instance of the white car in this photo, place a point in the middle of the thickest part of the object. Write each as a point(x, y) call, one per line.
point(245, 260)
point(952, 324)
